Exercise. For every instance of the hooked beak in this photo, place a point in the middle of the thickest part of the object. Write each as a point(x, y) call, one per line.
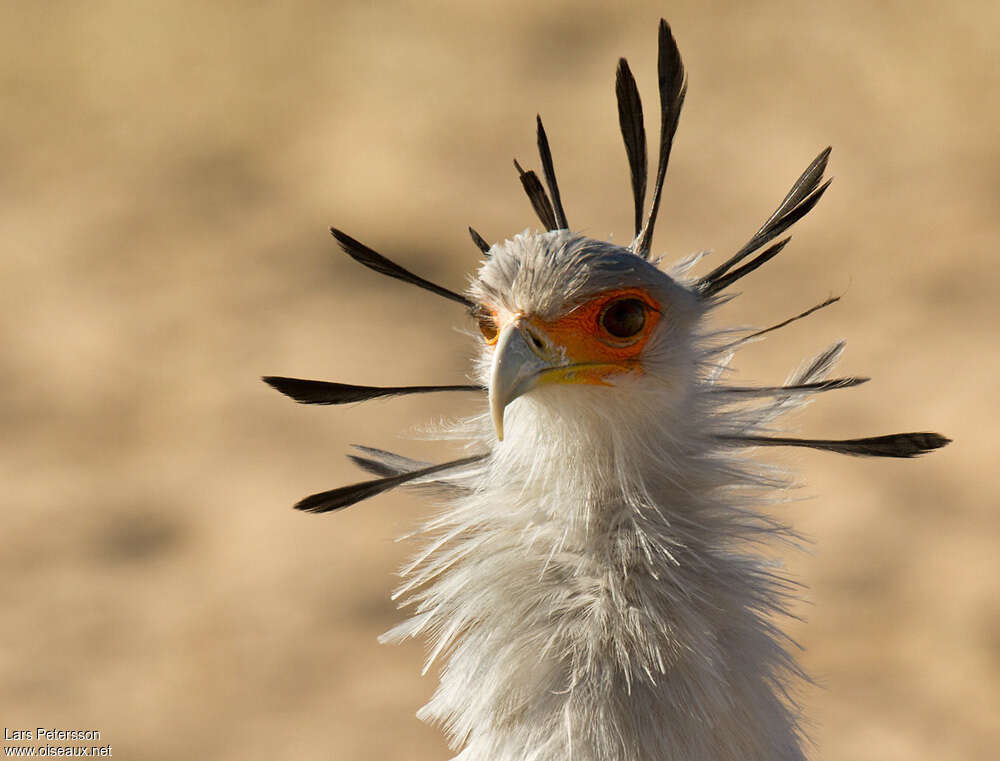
point(519, 360)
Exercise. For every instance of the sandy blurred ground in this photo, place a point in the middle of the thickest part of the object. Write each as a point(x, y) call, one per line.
point(169, 172)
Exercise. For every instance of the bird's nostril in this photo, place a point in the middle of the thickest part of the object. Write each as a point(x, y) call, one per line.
point(535, 339)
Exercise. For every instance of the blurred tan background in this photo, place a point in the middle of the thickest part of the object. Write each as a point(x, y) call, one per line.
point(169, 172)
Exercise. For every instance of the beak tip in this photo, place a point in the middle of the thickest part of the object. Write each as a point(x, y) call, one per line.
point(498, 423)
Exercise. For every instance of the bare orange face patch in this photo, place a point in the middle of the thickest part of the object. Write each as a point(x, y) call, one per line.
point(602, 336)
point(613, 327)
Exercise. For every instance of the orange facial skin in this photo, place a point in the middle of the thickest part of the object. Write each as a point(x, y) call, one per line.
point(584, 350)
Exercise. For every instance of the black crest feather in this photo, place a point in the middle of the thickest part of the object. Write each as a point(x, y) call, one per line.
point(634, 135)
point(673, 88)
point(714, 286)
point(480, 242)
point(790, 320)
point(327, 392)
point(345, 496)
point(536, 194)
point(892, 445)
point(550, 177)
point(798, 202)
point(379, 462)
point(812, 387)
point(375, 261)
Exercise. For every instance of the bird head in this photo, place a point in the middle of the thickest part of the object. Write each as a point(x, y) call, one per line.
point(584, 341)
point(580, 327)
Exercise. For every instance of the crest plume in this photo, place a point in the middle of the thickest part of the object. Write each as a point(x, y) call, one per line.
point(480, 242)
point(634, 135)
point(673, 88)
point(550, 177)
point(594, 579)
point(799, 201)
point(536, 194)
point(359, 252)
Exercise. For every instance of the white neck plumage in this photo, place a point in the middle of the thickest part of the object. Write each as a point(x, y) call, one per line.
point(601, 610)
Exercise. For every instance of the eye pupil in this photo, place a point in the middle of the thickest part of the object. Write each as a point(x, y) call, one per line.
point(624, 318)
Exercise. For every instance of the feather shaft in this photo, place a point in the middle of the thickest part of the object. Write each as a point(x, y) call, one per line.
point(790, 320)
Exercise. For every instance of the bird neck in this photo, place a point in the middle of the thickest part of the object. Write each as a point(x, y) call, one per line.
point(596, 600)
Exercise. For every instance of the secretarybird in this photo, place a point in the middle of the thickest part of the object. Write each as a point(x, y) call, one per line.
point(594, 580)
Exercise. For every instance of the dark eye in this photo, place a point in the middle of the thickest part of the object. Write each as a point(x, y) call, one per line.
point(487, 326)
point(623, 318)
